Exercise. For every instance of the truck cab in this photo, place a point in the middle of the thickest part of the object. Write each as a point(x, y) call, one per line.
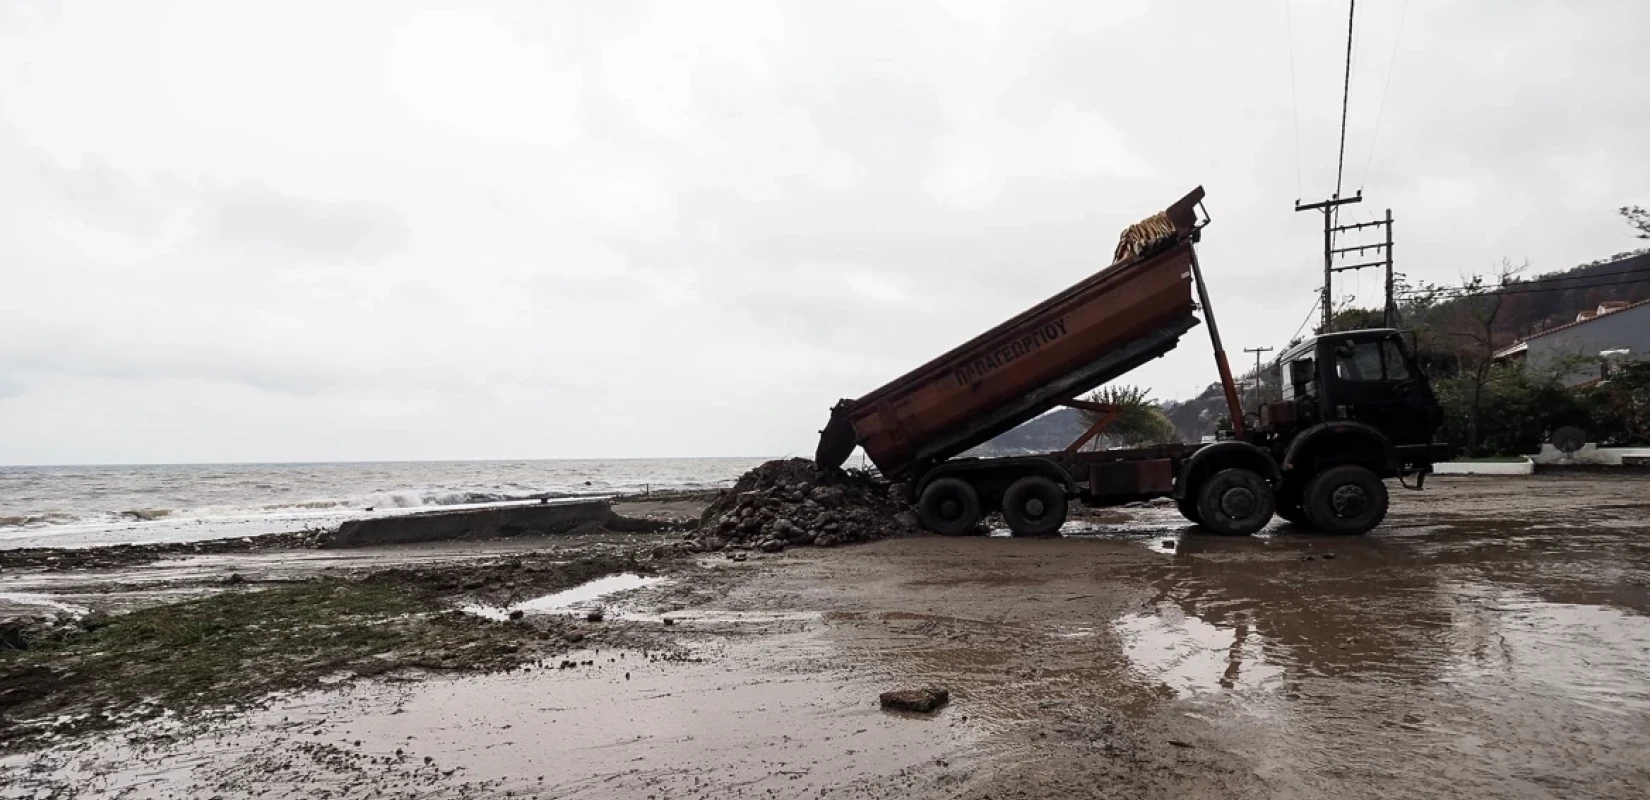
point(1355, 404)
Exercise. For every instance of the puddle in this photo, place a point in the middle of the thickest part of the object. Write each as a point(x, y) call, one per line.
point(773, 717)
point(578, 598)
point(1193, 656)
point(1078, 632)
point(715, 617)
point(1594, 658)
point(1125, 530)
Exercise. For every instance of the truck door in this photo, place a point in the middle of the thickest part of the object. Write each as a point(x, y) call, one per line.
point(1376, 382)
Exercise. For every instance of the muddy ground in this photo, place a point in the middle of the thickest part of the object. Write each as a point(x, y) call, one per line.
point(1491, 640)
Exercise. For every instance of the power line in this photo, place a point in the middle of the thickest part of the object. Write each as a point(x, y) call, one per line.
point(1309, 313)
point(1346, 95)
point(1391, 67)
point(1633, 270)
point(1456, 293)
point(1357, 287)
point(1630, 269)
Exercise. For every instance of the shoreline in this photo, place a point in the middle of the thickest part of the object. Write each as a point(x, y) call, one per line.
point(643, 512)
point(166, 530)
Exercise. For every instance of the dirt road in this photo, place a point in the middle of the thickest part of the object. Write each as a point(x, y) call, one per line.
point(1491, 640)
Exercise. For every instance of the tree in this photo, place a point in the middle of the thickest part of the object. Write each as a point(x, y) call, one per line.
point(1468, 330)
point(1638, 218)
point(1141, 422)
point(1353, 319)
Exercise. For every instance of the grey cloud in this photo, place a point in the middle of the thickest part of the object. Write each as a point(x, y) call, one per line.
point(253, 215)
point(247, 214)
point(809, 147)
point(96, 359)
point(99, 194)
point(1044, 225)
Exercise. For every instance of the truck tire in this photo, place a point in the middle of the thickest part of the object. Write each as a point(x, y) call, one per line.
point(949, 506)
point(1187, 506)
point(1034, 506)
point(1235, 502)
point(1347, 500)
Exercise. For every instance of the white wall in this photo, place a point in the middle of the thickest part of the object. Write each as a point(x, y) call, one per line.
point(1483, 468)
point(1589, 454)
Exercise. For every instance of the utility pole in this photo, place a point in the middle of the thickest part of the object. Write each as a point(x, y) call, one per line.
point(1331, 252)
point(1328, 207)
point(1389, 316)
point(1257, 351)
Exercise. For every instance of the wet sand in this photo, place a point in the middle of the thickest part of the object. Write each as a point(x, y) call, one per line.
point(1491, 640)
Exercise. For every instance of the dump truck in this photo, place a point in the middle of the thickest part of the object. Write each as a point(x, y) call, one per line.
point(1357, 410)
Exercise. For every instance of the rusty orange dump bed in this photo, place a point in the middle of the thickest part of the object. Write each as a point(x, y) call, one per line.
point(1111, 322)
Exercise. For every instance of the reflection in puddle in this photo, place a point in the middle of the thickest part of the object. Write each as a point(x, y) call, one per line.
point(715, 617)
point(1136, 530)
point(1593, 656)
point(577, 598)
point(1191, 655)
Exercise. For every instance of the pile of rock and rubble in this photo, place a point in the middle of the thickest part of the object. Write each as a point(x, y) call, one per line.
point(793, 502)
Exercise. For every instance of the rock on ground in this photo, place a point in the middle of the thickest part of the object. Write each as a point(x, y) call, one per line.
point(792, 502)
point(919, 701)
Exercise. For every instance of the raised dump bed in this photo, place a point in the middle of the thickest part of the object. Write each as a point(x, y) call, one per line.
point(1357, 410)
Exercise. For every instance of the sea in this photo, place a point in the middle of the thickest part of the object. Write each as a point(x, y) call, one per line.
point(89, 506)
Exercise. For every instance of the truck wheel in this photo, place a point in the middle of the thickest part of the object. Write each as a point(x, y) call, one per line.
point(1347, 500)
point(949, 506)
point(1034, 506)
point(1188, 509)
point(1235, 502)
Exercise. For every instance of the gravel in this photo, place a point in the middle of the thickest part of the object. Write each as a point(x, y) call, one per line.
point(792, 502)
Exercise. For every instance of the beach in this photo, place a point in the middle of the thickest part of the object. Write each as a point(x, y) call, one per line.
point(1474, 645)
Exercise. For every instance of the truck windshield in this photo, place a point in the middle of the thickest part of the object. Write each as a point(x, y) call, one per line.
point(1371, 361)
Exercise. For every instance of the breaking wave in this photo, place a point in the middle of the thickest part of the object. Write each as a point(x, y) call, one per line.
point(30, 520)
point(365, 502)
point(416, 500)
point(117, 503)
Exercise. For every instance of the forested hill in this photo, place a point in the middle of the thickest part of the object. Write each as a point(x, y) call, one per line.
point(1045, 434)
point(1625, 277)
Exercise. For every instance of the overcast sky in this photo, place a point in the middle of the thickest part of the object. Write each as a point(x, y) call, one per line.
point(399, 230)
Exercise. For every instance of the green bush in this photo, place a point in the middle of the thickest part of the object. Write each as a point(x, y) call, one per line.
point(1518, 411)
point(1619, 410)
